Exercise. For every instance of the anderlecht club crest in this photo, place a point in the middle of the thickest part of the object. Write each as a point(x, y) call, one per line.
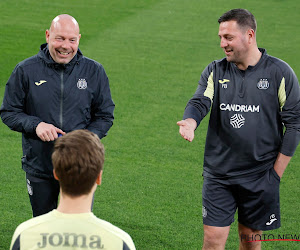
point(263, 84)
point(81, 84)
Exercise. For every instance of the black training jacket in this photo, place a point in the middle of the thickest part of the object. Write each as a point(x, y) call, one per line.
point(249, 110)
point(71, 96)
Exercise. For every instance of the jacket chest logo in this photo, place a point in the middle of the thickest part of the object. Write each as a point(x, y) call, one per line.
point(40, 82)
point(263, 83)
point(82, 84)
point(224, 83)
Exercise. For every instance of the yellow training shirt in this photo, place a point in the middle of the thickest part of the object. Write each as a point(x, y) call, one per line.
point(56, 230)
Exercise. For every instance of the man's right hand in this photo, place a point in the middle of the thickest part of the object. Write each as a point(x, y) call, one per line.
point(48, 132)
point(187, 128)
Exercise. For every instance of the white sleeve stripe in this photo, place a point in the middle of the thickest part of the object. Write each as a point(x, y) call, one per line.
point(282, 94)
point(209, 92)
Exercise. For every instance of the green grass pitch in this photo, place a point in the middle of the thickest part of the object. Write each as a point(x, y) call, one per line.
point(153, 52)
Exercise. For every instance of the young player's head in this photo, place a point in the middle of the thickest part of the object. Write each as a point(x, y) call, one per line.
point(78, 159)
point(243, 17)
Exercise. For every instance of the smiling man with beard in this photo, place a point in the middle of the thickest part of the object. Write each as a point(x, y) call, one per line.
point(251, 97)
point(52, 93)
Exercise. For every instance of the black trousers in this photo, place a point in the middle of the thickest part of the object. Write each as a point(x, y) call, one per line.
point(43, 194)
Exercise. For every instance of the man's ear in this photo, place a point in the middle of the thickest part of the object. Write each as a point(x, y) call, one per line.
point(47, 34)
point(55, 176)
point(99, 178)
point(251, 35)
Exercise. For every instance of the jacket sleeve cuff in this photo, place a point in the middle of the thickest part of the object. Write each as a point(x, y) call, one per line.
point(290, 142)
point(192, 112)
point(33, 126)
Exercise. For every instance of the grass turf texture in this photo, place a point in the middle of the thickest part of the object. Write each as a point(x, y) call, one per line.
point(153, 52)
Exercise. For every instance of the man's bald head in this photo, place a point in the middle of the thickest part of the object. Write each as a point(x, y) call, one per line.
point(63, 18)
point(63, 38)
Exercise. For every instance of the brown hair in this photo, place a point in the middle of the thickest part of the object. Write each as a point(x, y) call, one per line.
point(78, 158)
point(243, 17)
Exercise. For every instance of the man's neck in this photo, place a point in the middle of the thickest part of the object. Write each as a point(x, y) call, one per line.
point(75, 205)
point(252, 59)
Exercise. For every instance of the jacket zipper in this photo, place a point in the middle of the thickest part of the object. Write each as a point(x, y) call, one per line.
point(61, 98)
point(242, 86)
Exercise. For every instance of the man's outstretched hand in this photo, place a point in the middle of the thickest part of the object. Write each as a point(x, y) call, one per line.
point(187, 128)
